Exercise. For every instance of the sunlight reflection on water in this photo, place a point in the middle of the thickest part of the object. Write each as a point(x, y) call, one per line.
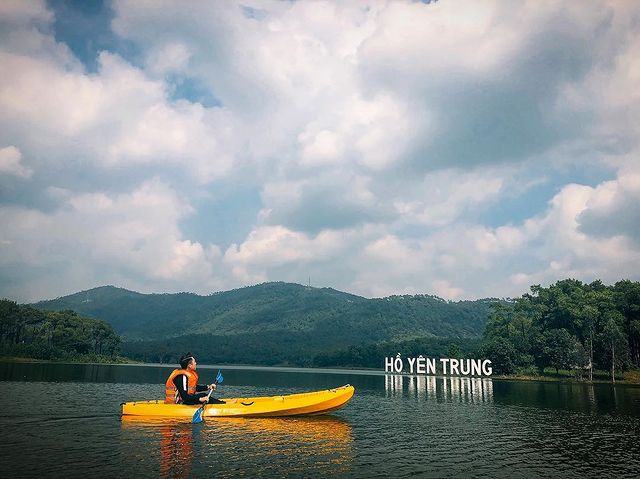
point(468, 390)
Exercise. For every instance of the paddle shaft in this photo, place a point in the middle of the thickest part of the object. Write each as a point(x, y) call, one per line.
point(215, 382)
point(208, 395)
point(197, 417)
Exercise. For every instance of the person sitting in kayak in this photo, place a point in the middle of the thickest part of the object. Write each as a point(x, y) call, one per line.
point(182, 385)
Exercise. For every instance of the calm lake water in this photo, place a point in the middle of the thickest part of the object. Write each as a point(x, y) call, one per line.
point(63, 419)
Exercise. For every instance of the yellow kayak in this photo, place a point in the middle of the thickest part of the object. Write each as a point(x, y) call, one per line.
point(317, 402)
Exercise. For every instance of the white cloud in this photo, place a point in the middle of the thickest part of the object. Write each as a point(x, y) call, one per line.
point(613, 209)
point(443, 196)
point(291, 78)
point(463, 261)
point(17, 11)
point(320, 148)
point(379, 135)
point(171, 58)
point(446, 291)
point(10, 163)
point(117, 117)
point(131, 239)
point(457, 260)
point(420, 40)
point(610, 91)
point(570, 252)
point(277, 246)
point(333, 200)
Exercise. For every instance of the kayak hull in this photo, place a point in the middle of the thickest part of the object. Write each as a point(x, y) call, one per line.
point(311, 403)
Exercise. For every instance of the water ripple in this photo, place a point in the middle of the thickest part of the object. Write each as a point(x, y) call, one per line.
point(395, 426)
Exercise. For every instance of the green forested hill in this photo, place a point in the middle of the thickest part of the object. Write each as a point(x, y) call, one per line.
point(275, 307)
point(29, 332)
point(274, 320)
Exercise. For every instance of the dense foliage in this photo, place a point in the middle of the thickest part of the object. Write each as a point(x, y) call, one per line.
point(267, 348)
point(295, 349)
point(373, 355)
point(569, 325)
point(29, 332)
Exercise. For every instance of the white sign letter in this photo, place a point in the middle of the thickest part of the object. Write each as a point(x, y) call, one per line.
point(444, 362)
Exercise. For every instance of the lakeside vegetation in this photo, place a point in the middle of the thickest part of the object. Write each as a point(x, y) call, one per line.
point(372, 355)
point(26, 332)
point(569, 326)
point(293, 349)
point(629, 377)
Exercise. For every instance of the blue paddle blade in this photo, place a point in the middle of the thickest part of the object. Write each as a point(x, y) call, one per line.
point(197, 417)
point(219, 378)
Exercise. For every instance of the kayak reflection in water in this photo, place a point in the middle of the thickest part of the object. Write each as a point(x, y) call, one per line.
point(176, 448)
point(182, 385)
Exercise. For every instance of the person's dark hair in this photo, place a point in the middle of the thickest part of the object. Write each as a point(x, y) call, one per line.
point(185, 360)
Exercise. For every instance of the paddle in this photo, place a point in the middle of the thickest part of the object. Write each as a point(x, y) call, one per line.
point(197, 416)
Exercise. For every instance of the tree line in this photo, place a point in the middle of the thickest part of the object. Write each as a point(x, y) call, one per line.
point(294, 349)
point(372, 355)
point(29, 332)
point(569, 325)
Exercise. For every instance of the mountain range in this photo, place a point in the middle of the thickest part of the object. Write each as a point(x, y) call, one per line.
point(271, 322)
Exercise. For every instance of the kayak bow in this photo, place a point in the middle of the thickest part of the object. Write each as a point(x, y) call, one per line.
point(317, 402)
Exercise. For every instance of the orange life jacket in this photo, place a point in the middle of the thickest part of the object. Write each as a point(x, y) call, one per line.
point(171, 395)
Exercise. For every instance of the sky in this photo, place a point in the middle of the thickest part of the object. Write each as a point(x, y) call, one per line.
point(462, 149)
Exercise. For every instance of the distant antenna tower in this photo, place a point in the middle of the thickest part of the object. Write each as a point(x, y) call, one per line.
point(309, 282)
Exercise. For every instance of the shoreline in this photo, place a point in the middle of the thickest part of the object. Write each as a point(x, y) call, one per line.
point(629, 378)
point(18, 359)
